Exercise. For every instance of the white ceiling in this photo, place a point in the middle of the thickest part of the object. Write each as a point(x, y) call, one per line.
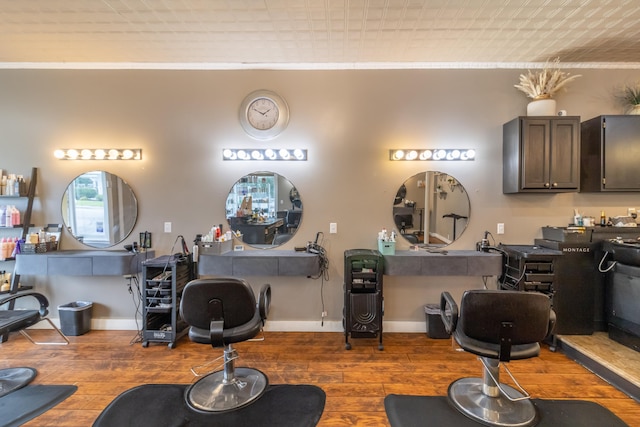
point(318, 33)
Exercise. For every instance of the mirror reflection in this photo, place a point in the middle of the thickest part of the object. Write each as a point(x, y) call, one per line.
point(431, 208)
point(265, 208)
point(99, 209)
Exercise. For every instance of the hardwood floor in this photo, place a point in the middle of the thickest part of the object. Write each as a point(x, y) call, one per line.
point(103, 364)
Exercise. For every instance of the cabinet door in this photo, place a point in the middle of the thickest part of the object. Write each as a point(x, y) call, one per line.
point(621, 153)
point(564, 172)
point(535, 154)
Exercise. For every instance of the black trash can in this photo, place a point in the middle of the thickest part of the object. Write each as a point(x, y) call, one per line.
point(75, 317)
point(435, 326)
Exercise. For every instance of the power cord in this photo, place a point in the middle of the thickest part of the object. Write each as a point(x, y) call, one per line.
point(317, 248)
point(134, 282)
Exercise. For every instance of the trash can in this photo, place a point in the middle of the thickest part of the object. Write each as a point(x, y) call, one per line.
point(435, 326)
point(75, 317)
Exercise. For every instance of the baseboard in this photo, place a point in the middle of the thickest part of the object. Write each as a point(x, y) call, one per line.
point(271, 325)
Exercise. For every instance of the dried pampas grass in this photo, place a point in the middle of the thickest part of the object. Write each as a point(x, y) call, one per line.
point(546, 82)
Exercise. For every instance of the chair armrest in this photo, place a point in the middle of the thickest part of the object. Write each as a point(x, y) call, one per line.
point(264, 301)
point(448, 312)
point(42, 300)
point(552, 322)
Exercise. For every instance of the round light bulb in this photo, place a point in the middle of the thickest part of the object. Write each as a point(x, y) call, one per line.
point(284, 154)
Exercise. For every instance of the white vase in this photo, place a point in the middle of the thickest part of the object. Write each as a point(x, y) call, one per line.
point(635, 110)
point(542, 107)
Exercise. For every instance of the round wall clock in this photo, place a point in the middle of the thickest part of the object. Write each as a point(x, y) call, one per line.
point(263, 114)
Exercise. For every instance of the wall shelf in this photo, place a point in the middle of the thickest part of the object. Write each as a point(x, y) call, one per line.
point(446, 263)
point(259, 263)
point(81, 263)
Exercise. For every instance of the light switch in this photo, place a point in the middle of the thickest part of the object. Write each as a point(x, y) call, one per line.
point(167, 227)
point(333, 227)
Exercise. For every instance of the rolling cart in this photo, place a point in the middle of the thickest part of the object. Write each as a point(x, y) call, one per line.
point(363, 300)
point(164, 279)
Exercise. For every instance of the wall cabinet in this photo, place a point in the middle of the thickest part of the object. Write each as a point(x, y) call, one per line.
point(541, 154)
point(610, 153)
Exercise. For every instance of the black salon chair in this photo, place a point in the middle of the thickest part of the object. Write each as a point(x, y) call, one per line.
point(403, 222)
point(18, 321)
point(293, 220)
point(222, 311)
point(281, 239)
point(498, 326)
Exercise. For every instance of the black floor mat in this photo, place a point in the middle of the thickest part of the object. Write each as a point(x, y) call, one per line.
point(20, 406)
point(435, 411)
point(163, 405)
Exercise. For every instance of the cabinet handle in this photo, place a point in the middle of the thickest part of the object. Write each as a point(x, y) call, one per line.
point(555, 184)
point(546, 184)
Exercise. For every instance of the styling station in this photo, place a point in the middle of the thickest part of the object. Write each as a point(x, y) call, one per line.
point(334, 214)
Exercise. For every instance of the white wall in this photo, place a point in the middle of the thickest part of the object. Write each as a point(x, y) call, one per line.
point(346, 119)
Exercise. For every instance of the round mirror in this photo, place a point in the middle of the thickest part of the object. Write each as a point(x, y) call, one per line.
point(431, 208)
point(99, 209)
point(264, 208)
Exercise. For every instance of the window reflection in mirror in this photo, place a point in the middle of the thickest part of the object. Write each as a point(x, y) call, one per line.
point(431, 208)
point(99, 209)
point(265, 208)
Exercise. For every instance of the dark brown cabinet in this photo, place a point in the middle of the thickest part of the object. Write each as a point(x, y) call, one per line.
point(610, 154)
point(541, 154)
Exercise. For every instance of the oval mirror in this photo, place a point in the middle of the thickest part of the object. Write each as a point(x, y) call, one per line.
point(431, 208)
point(99, 209)
point(265, 208)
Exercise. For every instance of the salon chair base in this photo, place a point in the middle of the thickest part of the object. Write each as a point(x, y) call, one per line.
point(14, 378)
point(467, 396)
point(215, 393)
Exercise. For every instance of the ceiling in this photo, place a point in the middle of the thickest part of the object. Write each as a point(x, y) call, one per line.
point(319, 33)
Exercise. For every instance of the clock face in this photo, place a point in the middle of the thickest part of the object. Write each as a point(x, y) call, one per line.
point(263, 114)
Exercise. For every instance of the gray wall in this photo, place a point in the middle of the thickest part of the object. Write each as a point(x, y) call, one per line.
point(346, 119)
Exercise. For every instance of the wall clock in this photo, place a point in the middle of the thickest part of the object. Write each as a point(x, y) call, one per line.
point(264, 114)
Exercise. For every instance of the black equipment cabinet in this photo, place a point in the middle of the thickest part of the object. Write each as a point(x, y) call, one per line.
point(164, 279)
point(623, 306)
point(578, 281)
point(363, 298)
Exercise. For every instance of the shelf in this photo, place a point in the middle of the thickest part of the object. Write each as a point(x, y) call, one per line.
point(81, 263)
point(259, 263)
point(445, 263)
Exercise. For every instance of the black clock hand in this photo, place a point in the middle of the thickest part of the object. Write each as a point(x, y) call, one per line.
point(258, 111)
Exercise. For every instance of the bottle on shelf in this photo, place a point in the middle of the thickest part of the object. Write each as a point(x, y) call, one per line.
point(603, 219)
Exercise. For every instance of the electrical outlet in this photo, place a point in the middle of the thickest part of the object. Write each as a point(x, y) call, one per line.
point(500, 229)
point(324, 314)
point(333, 227)
point(167, 227)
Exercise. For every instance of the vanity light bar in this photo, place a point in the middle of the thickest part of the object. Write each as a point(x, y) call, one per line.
point(436, 154)
point(98, 154)
point(264, 154)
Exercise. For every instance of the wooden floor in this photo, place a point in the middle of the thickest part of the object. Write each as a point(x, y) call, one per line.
point(103, 364)
point(613, 361)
